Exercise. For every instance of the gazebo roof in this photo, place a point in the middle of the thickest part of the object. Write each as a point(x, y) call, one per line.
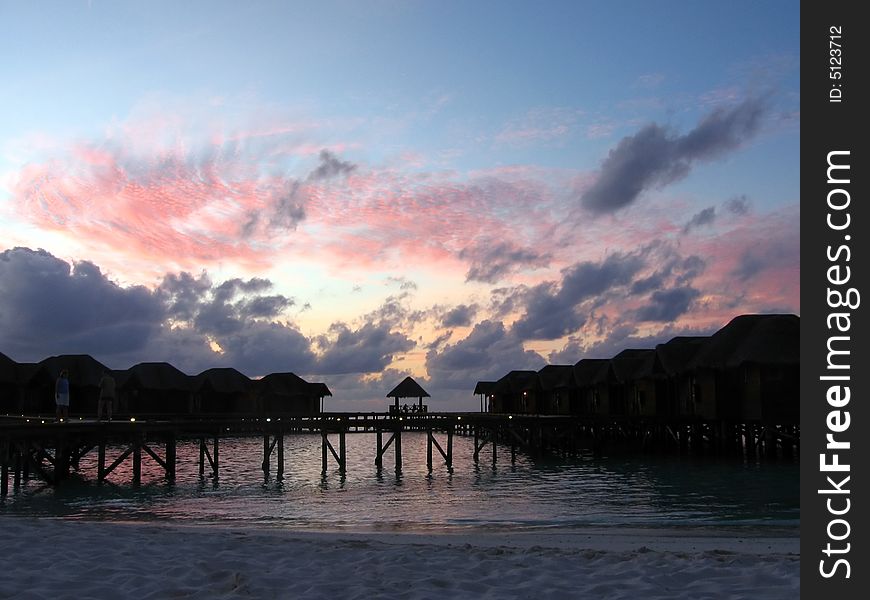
point(408, 389)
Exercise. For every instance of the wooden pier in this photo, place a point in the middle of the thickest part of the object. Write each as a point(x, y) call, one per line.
point(37, 447)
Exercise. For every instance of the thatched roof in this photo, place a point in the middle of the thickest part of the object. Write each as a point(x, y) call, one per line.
point(586, 371)
point(222, 380)
point(290, 385)
point(484, 387)
point(408, 389)
point(155, 376)
point(282, 383)
point(557, 377)
point(320, 389)
point(675, 355)
point(84, 370)
point(25, 371)
point(8, 369)
point(517, 381)
point(759, 339)
point(629, 362)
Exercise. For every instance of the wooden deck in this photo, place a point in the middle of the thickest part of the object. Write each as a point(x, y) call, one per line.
point(38, 447)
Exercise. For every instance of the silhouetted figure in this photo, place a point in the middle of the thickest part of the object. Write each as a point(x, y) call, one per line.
point(107, 396)
point(61, 396)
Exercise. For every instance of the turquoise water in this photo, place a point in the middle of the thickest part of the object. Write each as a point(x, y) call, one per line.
point(640, 491)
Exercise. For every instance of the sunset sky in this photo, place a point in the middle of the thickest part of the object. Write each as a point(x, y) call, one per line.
point(357, 191)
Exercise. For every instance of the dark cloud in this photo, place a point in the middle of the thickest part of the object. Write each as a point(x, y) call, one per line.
point(688, 268)
point(778, 251)
point(667, 305)
point(182, 294)
point(48, 306)
point(751, 263)
point(330, 166)
point(704, 217)
point(403, 282)
point(655, 156)
point(392, 311)
point(459, 316)
point(552, 310)
point(265, 307)
point(488, 352)
point(368, 349)
point(490, 261)
point(286, 208)
point(262, 347)
point(219, 309)
point(738, 205)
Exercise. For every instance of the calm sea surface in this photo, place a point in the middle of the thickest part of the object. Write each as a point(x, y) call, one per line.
point(647, 491)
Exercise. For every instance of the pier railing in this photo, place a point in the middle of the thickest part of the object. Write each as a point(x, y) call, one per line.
point(36, 446)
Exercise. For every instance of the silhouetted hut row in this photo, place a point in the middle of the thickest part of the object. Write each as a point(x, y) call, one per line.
point(154, 387)
point(747, 371)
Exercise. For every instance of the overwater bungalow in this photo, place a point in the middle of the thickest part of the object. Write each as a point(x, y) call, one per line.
point(670, 368)
point(749, 371)
point(288, 393)
point(9, 395)
point(154, 387)
point(637, 395)
point(557, 389)
point(589, 399)
point(608, 397)
point(516, 392)
point(84, 379)
point(223, 390)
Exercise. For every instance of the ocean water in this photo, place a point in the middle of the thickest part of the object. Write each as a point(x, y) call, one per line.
point(554, 492)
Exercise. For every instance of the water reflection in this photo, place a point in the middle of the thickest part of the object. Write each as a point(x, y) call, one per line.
point(547, 492)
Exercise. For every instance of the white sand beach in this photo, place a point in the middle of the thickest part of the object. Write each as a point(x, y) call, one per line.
point(52, 558)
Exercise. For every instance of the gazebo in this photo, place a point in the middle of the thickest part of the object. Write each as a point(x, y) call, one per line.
point(408, 389)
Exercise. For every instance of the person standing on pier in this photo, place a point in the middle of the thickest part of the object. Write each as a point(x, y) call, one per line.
point(61, 396)
point(107, 396)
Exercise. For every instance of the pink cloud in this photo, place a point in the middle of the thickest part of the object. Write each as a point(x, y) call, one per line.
point(188, 206)
point(538, 125)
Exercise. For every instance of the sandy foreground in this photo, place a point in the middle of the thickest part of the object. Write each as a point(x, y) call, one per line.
point(50, 558)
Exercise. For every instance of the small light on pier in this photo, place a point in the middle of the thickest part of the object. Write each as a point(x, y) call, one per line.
point(132, 419)
point(458, 418)
point(268, 419)
point(43, 422)
point(510, 416)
